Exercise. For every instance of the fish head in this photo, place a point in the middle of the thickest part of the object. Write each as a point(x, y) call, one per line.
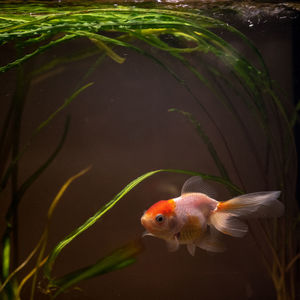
point(160, 220)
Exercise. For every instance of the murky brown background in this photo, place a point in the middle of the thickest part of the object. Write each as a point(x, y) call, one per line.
point(121, 126)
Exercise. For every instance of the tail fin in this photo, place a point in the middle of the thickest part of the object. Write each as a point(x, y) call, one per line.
point(263, 204)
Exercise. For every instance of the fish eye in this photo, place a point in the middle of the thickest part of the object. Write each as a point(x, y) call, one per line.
point(159, 218)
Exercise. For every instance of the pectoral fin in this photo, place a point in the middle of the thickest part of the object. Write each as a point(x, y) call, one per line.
point(173, 244)
point(211, 242)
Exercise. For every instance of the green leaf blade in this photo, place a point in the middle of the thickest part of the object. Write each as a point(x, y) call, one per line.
point(118, 259)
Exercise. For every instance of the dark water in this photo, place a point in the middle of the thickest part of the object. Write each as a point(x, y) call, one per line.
point(121, 126)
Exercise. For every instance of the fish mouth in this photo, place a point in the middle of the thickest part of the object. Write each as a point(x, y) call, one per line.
point(147, 233)
point(149, 226)
point(144, 220)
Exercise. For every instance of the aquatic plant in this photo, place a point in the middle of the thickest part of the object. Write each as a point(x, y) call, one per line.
point(36, 28)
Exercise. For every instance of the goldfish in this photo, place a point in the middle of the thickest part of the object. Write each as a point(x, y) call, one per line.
point(196, 219)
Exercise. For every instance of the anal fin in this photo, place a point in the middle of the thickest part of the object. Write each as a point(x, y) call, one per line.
point(211, 242)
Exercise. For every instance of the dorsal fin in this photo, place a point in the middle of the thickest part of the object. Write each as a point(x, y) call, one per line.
point(196, 184)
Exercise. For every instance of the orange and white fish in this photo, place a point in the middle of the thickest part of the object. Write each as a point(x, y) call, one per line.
point(195, 217)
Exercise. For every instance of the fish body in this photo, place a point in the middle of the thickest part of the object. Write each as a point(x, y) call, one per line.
point(195, 218)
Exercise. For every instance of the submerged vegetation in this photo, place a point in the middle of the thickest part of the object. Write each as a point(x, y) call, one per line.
point(34, 28)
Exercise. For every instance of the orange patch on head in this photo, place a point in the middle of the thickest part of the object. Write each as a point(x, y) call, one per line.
point(165, 207)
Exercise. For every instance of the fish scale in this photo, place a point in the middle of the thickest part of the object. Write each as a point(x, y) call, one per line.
point(191, 230)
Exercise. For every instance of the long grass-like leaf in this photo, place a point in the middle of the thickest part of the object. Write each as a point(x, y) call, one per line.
point(43, 240)
point(37, 131)
point(207, 141)
point(38, 51)
point(42, 168)
point(29, 275)
point(118, 259)
point(113, 55)
point(20, 267)
point(46, 230)
point(6, 258)
point(58, 61)
point(14, 204)
point(27, 184)
point(295, 116)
